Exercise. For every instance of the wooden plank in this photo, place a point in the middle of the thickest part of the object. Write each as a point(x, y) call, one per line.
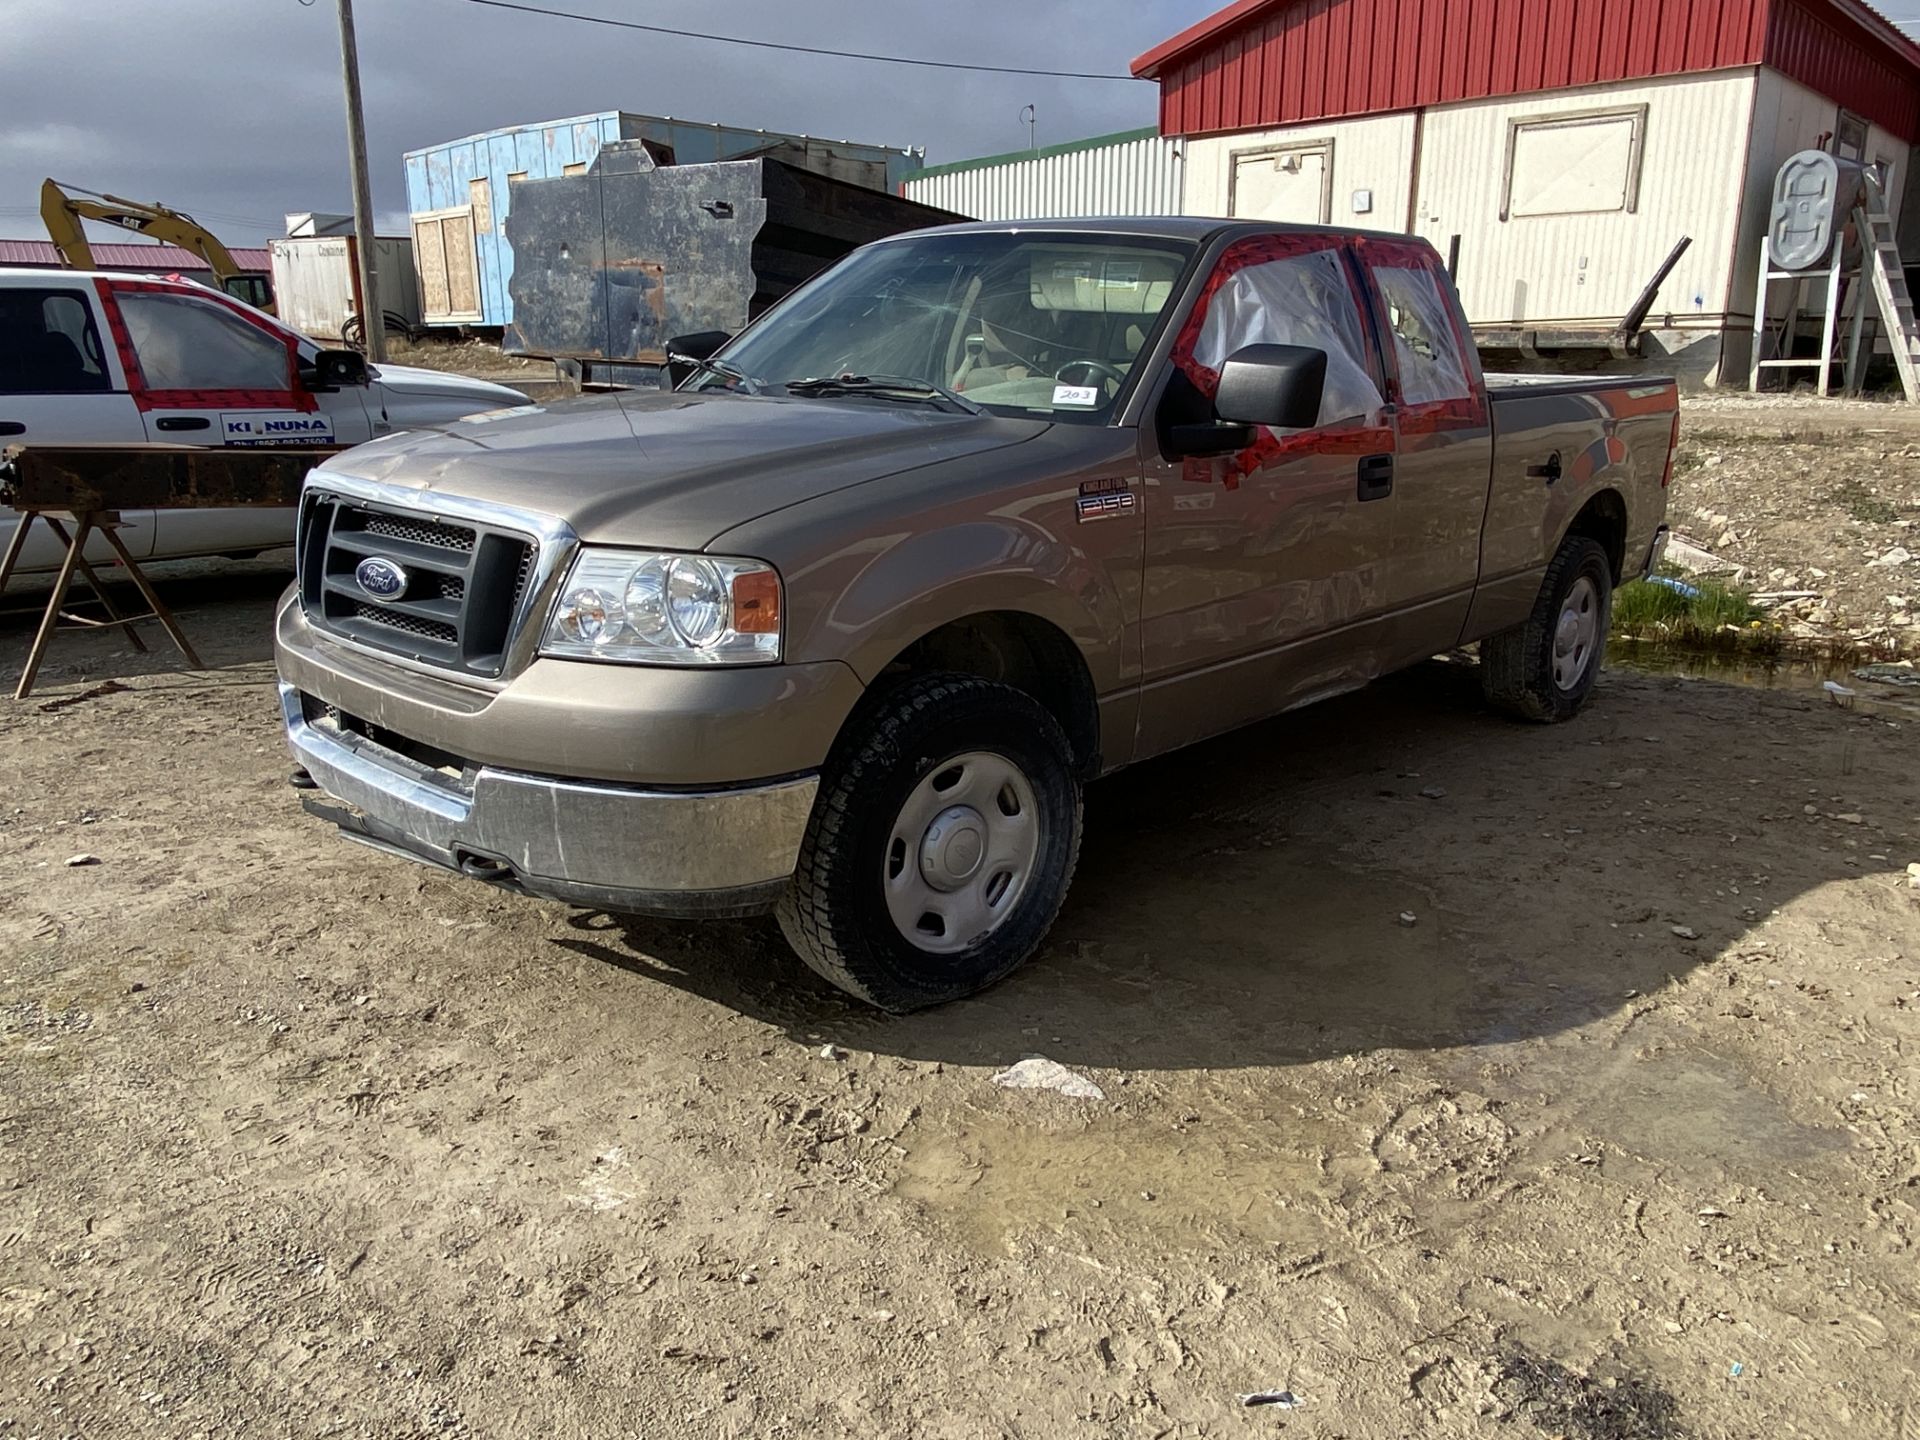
point(79, 478)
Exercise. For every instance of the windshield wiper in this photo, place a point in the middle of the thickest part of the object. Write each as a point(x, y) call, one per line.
point(709, 366)
point(886, 387)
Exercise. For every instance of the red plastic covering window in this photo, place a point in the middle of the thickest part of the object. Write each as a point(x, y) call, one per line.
point(291, 398)
point(1267, 448)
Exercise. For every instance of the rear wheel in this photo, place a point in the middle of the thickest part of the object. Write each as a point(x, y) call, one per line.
point(1544, 668)
point(940, 846)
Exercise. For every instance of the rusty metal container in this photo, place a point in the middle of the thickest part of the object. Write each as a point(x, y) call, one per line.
point(611, 264)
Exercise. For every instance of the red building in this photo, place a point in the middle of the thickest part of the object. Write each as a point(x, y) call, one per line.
point(1567, 143)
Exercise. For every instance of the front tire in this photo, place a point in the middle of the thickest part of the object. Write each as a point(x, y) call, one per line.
point(940, 847)
point(1545, 668)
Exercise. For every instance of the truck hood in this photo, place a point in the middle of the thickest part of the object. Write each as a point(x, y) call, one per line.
point(674, 470)
point(412, 380)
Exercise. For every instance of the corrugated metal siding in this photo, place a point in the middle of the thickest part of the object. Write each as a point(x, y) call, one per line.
point(1325, 58)
point(1837, 58)
point(110, 255)
point(1135, 177)
point(1554, 270)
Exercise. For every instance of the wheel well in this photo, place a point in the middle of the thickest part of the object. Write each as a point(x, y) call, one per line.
point(1021, 650)
point(1604, 519)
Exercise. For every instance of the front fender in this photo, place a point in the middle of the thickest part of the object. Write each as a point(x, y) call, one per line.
point(907, 586)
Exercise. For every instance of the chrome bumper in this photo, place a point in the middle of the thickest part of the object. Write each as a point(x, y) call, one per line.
point(701, 853)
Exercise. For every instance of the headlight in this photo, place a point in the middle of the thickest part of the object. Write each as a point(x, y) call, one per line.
point(649, 609)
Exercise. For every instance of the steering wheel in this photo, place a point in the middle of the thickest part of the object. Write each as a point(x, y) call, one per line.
point(1094, 366)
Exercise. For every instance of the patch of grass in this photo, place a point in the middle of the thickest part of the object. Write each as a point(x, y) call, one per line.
point(1717, 616)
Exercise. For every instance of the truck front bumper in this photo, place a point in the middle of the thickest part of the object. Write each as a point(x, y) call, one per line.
point(687, 853)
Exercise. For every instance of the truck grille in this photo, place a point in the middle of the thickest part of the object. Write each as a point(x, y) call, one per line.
point(464, 584)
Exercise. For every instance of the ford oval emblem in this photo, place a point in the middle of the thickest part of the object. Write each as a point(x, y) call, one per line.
point(382, 579)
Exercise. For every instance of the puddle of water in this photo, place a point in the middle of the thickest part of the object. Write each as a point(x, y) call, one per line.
point(1804, 671)
point(1117, 1182)
point(1689, 1108)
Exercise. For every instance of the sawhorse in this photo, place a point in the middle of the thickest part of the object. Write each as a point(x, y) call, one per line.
point(106, 523)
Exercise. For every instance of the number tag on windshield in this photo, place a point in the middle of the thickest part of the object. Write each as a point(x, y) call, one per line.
point(1086, 396)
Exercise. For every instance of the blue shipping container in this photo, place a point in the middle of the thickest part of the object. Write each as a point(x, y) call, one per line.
point(463, 191)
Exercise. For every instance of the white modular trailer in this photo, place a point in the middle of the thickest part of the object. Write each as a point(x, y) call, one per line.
point(316, 281)
point(1564, 202)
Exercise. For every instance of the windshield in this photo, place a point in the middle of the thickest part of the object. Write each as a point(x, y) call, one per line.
point(1019, 324)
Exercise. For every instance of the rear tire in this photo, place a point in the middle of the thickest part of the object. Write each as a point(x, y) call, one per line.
point(940, 847)
point(1545, 668)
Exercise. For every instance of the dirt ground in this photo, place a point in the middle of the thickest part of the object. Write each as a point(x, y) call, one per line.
point(1795, 493)
point(1616, 1138)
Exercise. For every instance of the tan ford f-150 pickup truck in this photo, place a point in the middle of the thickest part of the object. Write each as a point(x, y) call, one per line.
point(840, 627)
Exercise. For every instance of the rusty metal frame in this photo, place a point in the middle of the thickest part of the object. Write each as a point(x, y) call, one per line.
point(93, 483)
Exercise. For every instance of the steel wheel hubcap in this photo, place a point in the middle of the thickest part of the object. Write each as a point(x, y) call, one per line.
point(961, 851)
point(1576, 639)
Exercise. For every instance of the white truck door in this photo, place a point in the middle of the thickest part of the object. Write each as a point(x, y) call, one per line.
point(61, 385)
point(207, 373)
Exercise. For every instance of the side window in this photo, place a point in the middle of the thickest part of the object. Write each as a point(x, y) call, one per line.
point(188, 344)
point(1426, 347)
point(1303, 299)
point(49, 344)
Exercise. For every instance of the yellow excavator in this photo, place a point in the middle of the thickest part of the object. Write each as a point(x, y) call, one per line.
point(63, 207)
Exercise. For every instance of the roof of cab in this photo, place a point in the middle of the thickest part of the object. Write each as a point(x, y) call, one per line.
point(1197, 228)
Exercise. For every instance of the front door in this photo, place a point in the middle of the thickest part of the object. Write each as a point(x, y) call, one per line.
point(1264, 570)
point(207, 371)
point(1287, 186)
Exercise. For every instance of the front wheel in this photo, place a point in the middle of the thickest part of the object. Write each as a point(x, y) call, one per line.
point(1544, 668)
point(940, 847)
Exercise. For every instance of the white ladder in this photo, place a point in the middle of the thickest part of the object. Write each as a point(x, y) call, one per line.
point(1880, 258)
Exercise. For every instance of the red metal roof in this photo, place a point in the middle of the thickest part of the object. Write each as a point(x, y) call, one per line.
point(111, 255)
point(1262, 63)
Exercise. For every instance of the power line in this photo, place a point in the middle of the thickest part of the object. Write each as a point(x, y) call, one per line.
point(799, 49)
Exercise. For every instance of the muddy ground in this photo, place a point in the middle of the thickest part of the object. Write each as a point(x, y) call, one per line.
point(1616, 1139)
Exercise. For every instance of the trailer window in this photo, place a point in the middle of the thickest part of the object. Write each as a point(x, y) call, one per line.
point(188, 344)
point(1585, 163)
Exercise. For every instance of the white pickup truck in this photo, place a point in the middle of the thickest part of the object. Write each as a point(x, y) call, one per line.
point(88, 358)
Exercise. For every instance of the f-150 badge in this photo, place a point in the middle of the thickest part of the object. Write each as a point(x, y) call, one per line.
point(1104, 500)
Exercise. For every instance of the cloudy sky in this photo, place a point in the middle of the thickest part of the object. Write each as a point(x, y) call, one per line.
point(231, 109)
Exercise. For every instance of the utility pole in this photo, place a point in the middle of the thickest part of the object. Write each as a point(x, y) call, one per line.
point(371, 315)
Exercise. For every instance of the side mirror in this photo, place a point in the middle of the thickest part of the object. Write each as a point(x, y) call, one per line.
point(1278, 386)
point(333, 369)
point(701, 345)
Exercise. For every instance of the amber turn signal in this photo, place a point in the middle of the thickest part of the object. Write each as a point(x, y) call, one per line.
point(756, 603)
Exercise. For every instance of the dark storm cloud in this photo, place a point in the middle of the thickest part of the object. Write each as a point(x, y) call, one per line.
point(231, 108)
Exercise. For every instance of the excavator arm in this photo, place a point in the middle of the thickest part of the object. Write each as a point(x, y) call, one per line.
point(63, 207)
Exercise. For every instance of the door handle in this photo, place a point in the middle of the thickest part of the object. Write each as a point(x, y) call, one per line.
point(12, 427)
point(1548, 472)
point(183, 422)
point(1376, 477)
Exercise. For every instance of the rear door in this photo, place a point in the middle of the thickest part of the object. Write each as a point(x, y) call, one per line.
point(1444, 462)
point(60, 384)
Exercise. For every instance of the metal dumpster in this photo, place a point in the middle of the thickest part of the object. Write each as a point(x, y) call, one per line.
point(610, 265)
